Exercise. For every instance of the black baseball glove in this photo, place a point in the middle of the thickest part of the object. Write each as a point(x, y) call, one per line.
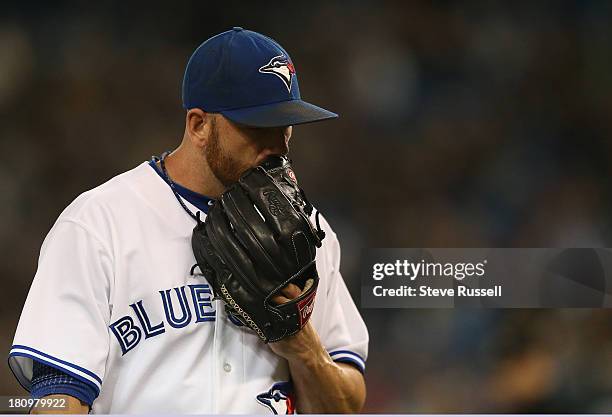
point(257, 239)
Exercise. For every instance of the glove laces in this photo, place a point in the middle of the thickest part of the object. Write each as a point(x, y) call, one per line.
point(308, 208)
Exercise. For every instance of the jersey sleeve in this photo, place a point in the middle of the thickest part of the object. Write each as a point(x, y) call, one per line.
point(64, 322)
point(344, 333)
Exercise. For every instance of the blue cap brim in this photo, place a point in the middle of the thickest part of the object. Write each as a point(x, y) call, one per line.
point(284, 113)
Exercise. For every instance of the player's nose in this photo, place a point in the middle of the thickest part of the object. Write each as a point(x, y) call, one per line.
point(277, 141)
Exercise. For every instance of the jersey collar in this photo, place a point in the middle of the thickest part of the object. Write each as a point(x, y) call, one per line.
point(200, 201)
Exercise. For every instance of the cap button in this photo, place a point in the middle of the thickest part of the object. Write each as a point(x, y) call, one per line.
point(237, 28)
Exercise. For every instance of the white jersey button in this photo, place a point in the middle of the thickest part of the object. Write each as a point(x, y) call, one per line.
point(227, 367)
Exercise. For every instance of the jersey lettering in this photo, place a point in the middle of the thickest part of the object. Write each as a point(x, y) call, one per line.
point(129, 334)
point(200, 295)
point(143, 318)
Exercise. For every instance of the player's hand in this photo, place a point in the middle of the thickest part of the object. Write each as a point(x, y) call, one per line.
point(288, 292)
point(300, 345)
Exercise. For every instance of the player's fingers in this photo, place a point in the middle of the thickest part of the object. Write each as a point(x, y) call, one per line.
point(288, 292)
point(291, 291)
point(279, 299)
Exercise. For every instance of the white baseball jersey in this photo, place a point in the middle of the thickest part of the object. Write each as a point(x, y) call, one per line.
point(114, 304)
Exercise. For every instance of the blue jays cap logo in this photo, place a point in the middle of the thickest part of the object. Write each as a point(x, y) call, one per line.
point(282, 68)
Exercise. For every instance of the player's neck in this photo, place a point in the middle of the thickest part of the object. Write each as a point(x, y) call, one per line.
point(190, 171)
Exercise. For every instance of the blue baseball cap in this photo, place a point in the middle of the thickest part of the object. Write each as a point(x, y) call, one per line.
point(248, 78)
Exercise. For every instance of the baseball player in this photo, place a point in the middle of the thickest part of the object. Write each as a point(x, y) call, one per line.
point(121, 318)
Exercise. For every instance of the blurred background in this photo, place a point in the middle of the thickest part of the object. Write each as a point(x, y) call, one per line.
point(463, 124)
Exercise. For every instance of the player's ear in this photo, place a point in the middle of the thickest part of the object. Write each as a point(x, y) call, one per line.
point(197, 124)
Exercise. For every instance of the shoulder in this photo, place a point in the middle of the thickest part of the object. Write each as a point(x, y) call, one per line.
point(93, 205)
point(106, 209)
